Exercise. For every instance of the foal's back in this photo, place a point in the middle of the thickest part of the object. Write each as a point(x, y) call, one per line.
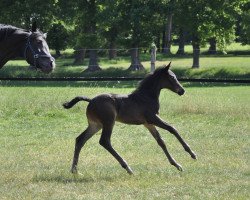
point(108, 108)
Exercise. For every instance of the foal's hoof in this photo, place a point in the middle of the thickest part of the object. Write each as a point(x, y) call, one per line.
point(179, 167)
point(129, 170)
point(193, 155)
point(74, 171)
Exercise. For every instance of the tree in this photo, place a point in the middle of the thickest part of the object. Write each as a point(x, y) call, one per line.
point(83, 15)
point(137, 19)
point(208, 19)
point(181, 41)
point(111, 26)
point(91, 36)
point(22, 13)
point(169, 7)
point(70, 13)
point(212, 48)
point(58, 37)
point(244, 35)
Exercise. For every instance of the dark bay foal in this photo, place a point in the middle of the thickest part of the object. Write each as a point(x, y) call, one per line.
point(139, 107)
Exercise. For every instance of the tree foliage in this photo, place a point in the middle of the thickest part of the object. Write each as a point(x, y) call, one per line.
point(125, 23)
point(58, 37)
point(22, 13)
point(245, 24)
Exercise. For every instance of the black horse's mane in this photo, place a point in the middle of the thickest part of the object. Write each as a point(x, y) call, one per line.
point(8, 30)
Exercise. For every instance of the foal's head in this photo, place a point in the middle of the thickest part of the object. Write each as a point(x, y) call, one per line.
point(168, 80)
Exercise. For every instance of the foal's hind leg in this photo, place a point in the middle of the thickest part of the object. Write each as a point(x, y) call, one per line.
point(161, 143)
point(157, 121)
point(80, 141)
point(105, 142)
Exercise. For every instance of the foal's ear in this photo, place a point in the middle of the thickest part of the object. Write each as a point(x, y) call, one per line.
point(167, 66)
point(45, 35)
point(34, 27)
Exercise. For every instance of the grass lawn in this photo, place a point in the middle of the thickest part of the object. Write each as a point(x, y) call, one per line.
point(37, 140)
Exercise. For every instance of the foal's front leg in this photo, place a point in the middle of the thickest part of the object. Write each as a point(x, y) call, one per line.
point(157, 121)
point(161, 143)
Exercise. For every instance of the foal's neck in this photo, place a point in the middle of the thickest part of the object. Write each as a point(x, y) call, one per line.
point(149, 91)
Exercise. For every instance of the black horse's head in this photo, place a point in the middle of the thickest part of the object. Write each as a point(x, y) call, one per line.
point(36, 51)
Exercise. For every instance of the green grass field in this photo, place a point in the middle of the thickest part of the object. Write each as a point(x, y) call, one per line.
point(37, 140)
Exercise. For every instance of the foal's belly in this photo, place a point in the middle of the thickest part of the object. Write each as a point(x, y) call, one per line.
point(130, 121)
point(130, 116)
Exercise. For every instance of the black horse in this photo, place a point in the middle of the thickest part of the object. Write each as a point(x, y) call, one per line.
point(30, 45)
point(139, 107)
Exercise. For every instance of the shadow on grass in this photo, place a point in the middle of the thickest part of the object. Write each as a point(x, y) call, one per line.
point(69, 71)
point(104, 84)
point(88, 84)
point(71, 178)
point(62, 179)
point(78, 71)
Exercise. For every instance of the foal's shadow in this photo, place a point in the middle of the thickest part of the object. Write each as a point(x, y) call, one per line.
point(75, 178)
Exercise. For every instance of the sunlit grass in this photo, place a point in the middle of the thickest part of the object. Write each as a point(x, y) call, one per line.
point(37, 140)
point(189, 49)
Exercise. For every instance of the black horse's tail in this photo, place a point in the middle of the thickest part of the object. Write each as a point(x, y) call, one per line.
point(71, 103)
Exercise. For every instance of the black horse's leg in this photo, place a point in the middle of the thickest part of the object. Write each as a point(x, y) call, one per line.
point(105, 142)
point(161, 143)
point(80, 141)
point(157, 121)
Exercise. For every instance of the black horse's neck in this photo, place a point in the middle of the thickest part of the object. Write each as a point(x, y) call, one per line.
point(6, 31)
point(12, 43)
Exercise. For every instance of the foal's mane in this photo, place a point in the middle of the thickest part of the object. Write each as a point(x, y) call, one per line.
point(150, 81)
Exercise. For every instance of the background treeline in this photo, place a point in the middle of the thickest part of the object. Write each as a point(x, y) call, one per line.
point(88, 25)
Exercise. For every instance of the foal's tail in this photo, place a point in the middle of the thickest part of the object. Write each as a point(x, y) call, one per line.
point(71, 103)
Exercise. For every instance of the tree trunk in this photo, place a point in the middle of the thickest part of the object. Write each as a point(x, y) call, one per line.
point(93, 62)
point(181, 49)
point(158, 41)
point(163, 41)
point(196, 55)
point(79, 56)
point(58, 53)
point(167, 43)
point(212, 49)
point(135, 60)
point(112, 51)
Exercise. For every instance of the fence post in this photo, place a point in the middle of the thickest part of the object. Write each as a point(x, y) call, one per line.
point(153, 57)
